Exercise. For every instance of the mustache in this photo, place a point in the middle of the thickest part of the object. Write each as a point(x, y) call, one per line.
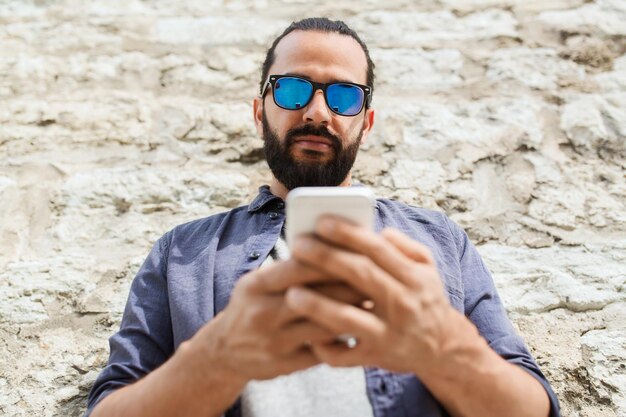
point(320, 130)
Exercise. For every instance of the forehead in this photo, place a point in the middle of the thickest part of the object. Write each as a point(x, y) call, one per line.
point(321, 56)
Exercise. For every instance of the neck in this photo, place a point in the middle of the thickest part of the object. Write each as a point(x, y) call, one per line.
point(279, 190)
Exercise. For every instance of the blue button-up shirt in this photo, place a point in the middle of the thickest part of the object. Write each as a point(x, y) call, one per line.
point(191, 271)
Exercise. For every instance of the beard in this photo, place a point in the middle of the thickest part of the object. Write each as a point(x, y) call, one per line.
point(308, 173)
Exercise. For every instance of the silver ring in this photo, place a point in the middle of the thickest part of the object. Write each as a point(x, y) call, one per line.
point(350, 341)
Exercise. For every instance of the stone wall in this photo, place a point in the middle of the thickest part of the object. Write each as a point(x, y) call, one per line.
point(121, 119)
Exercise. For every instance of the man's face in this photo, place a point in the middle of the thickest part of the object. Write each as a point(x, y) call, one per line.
point(313, 146)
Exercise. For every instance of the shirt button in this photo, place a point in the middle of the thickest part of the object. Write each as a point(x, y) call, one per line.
point(255, 255)
point(383, 386)
point(273, 215)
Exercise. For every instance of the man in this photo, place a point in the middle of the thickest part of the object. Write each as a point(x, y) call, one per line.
point(209, 330)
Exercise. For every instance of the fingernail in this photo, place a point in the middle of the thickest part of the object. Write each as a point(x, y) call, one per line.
point(327, 225)
point(303, 244)
point(296, 295)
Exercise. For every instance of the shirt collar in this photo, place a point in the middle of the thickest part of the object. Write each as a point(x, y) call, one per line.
point(262, 199)
point(265, 197)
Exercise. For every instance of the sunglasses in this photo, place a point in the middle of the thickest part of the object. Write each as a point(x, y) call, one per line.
point(294, 93)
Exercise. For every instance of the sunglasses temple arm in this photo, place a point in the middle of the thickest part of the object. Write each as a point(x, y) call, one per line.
point(265, 86)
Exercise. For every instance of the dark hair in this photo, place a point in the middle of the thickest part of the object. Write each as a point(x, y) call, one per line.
point(320, 24)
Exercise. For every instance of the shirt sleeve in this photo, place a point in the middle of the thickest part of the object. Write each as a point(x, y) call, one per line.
point(484, 308)
point(144, 340)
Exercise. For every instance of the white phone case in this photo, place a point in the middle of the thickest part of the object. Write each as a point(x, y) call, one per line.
point(306, 204)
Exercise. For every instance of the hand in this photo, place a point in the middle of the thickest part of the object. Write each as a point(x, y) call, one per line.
point(341, 292)
point(258, 336)
point(412, 325)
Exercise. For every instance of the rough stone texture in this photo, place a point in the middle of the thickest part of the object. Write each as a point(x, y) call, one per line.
point(121, 119)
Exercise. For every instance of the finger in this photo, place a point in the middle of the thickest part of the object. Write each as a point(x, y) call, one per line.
point(340, 292)
point(279, 276)
point(296, 335)
point(337, 317)
point(268, 311)
point(411, 248)
point(407, 269)
point(353, 269)
point(425, 273)
point(367, 242)
point(338, 354)
point(300, 359)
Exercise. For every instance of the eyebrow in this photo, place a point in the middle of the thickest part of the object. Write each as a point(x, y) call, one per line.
point(306, 77)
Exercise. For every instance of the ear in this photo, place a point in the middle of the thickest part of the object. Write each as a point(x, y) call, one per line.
point(257, 110)
point(368, 123)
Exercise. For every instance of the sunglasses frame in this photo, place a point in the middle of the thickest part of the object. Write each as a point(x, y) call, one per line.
point(272, 79)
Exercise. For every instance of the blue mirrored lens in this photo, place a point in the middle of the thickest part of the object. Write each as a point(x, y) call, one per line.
point(345, 99)
point(292, 93)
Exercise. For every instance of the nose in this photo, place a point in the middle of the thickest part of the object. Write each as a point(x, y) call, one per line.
point(317, 111)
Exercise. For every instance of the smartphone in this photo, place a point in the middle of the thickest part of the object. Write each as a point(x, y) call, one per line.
point(305, 205)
